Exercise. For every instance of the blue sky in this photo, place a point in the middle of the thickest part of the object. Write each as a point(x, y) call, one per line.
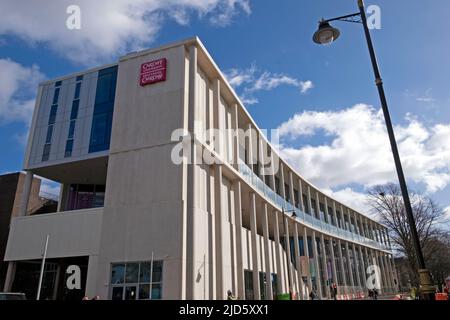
point(329, 131)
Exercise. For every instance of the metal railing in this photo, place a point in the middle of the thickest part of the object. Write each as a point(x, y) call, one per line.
point(301, 216)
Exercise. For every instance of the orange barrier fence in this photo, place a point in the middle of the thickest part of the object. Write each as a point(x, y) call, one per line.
point(441, 296)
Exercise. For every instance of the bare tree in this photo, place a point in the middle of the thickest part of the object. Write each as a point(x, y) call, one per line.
point(387, 203)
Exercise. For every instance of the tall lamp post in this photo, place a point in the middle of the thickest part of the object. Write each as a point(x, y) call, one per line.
point(326, 34)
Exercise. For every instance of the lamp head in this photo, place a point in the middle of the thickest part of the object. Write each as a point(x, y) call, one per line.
point(326, 34)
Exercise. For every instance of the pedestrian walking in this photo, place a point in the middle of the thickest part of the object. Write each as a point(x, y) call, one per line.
point(313, 294)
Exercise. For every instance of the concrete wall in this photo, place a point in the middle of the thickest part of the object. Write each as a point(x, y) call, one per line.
point(72, 233)
point(143, 203)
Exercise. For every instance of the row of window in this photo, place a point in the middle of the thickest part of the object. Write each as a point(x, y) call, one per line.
point(73, 118)
point(102, 116)
point(51, 122)
point(349, 223)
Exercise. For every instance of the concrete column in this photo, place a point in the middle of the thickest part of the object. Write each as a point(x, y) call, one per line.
point(291, 188)
point(394, 275)
point(300, 191)
point(387, 267)
point(191, 271)
point(309, 200)
point(383, 272)
point(255, 259)
point(25, 197)
point(283, 192)
point(212, 232)
point(238, 226)
point(316, 262)
point(297, 261)
point(341, 261)
point(333, 263)
point(10, 275)
point(262, 169)
point(335, 214)
point(388, 239)
point(220, 290)
point(325, 267)
point(387, 276)
point(269, 292)
point(251, 143)
point(288, 253)
point(357, 228)
point(349, 263)
point(363, 265)
point(235, 126)
point(375, 262)
point(62, 197)
point(306, 251)
point(280, 273)
point(372, 232)
point(385, 237)
point(318, 205)
point(272, 168)
point(357, 266)
point(342, 218)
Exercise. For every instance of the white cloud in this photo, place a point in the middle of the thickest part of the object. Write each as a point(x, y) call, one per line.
point(447, 213)
point(359, 151)
point(108, 27)
point(17, 90)
point(306, 86)
point(252, 80)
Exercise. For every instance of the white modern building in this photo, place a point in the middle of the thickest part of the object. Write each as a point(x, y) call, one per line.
point(138, 225)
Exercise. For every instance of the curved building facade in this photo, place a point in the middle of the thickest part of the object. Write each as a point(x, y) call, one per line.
point(169, 190)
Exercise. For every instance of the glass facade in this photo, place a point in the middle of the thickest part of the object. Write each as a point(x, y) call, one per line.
point(85, 196)
point(103, 110)
point(51, 122)
point(137, 281)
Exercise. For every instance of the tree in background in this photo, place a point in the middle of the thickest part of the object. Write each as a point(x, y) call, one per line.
point(387, 203)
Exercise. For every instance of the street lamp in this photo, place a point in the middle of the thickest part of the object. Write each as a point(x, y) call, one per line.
point(325, 35)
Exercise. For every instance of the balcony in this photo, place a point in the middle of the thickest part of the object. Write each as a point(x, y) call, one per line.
point(301, 216)
point(71, 234)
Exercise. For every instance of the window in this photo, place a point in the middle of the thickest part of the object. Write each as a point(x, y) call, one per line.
point(137, 281)
point(48, 138)
point(77, 90)
point(52, 117)
point(79, 78)
point(84, 196)
point(69, 148)
point(71, 129)
point(287, 192)
point(296, 199)
point(56, 95)
point(58, 83)
point(248, 280)
point(100, 132)
point(103, 110)
point(277, 186)
point(74, 111)
point(46, 153)
point(305, 204)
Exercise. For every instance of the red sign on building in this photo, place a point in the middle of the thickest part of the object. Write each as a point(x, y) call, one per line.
point(153, 72)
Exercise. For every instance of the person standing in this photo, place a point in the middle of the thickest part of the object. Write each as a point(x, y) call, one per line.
point(230, 295)
point(335, 291)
